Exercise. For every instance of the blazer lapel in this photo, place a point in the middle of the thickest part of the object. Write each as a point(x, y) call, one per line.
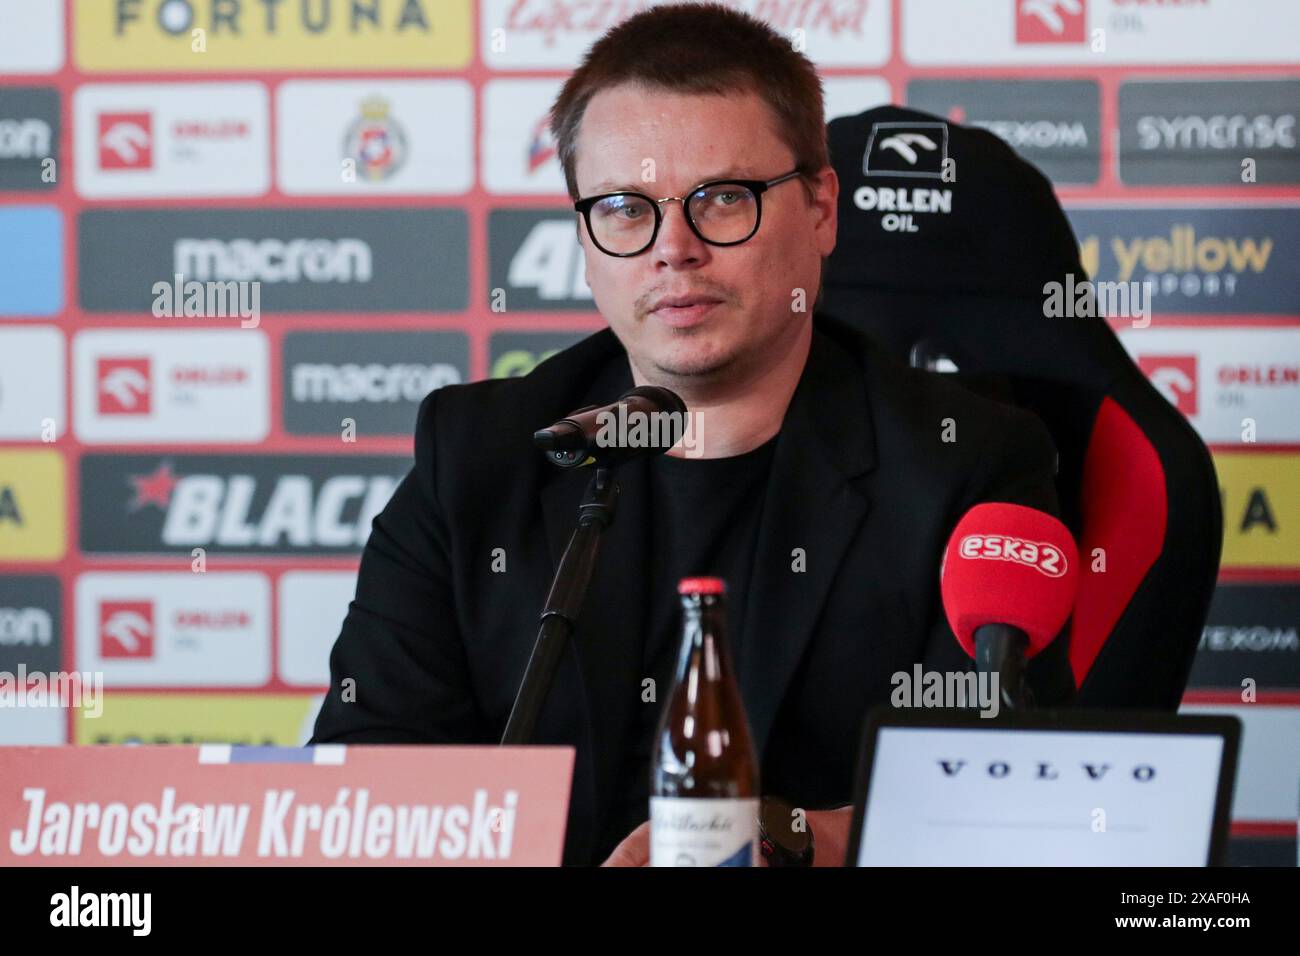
point(812, 511)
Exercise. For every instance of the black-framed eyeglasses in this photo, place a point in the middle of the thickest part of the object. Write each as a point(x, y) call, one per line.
point(722, 212)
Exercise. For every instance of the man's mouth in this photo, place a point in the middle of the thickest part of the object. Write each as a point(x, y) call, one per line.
point(681, 312)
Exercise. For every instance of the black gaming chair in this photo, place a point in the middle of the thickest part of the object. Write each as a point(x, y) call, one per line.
point(946, 241)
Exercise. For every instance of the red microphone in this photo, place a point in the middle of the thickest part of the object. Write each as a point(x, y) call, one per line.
point(1008, 582)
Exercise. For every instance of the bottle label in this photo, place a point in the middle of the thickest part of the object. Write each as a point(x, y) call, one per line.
point(696, 831)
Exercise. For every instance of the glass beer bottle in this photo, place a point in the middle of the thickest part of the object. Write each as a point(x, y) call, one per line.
point(704, 792)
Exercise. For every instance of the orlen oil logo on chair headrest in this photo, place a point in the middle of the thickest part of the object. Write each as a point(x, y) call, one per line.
point(1040, 555)
point(909, 150)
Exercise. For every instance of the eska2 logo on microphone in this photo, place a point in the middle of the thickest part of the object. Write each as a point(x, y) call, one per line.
point(1044, 557)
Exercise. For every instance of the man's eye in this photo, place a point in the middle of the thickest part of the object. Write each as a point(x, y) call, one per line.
point(628, 209)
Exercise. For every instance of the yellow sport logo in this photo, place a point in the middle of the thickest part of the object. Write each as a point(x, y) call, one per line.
point(199, 35)
point(32, 522)
point(262, 720)
point(1261, 509)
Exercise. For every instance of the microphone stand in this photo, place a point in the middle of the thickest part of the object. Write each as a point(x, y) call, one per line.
point(560, 612)
point(1000, 651)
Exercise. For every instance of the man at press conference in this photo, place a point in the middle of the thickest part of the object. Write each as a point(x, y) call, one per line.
point(823, 490)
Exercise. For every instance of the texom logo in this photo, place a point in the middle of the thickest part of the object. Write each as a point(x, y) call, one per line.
point(1174, 376)
point(124, 386)
point(126, 629)
point(1050, 21)
point(125, 141)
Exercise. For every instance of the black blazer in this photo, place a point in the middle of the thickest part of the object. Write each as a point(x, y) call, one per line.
point(861, 480)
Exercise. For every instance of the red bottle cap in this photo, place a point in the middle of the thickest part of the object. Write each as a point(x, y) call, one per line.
point(702, 586)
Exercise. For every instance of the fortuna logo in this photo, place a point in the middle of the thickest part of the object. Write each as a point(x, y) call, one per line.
point(1050, 21)
point(124, 386)
point(125, 141)
point(1174, 376)
point(1042, 556)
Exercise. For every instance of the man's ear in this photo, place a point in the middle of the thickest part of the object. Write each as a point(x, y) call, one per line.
point(826, 185)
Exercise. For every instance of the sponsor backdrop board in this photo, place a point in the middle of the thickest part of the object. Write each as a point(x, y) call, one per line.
point(231, 271)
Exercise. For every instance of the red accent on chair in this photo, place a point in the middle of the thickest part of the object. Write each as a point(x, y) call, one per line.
point(1124, 509)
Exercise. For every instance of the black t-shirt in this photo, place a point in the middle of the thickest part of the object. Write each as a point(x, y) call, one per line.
point(704, 516)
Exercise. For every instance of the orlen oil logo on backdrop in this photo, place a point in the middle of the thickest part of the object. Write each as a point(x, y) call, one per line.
point(126, 630)
point(1197, 260)
point(271, 504)
point(179, 139)
point(554, 33)
point(167, 629)
point(125, 140)
point(1051, 21)
point(1235, 385)
point(306, 260)
point(171, 385)
point(234, 35)
point(1174, 376)
point(123, 386)
point(1055, 33)
point(29, 137)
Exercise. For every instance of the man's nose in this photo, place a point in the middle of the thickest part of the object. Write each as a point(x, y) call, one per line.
point(677, 243)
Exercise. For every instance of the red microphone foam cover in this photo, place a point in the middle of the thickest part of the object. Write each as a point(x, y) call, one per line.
point(1008, 564)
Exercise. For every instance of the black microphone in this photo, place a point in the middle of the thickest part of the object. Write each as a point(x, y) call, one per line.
point(648, 420)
